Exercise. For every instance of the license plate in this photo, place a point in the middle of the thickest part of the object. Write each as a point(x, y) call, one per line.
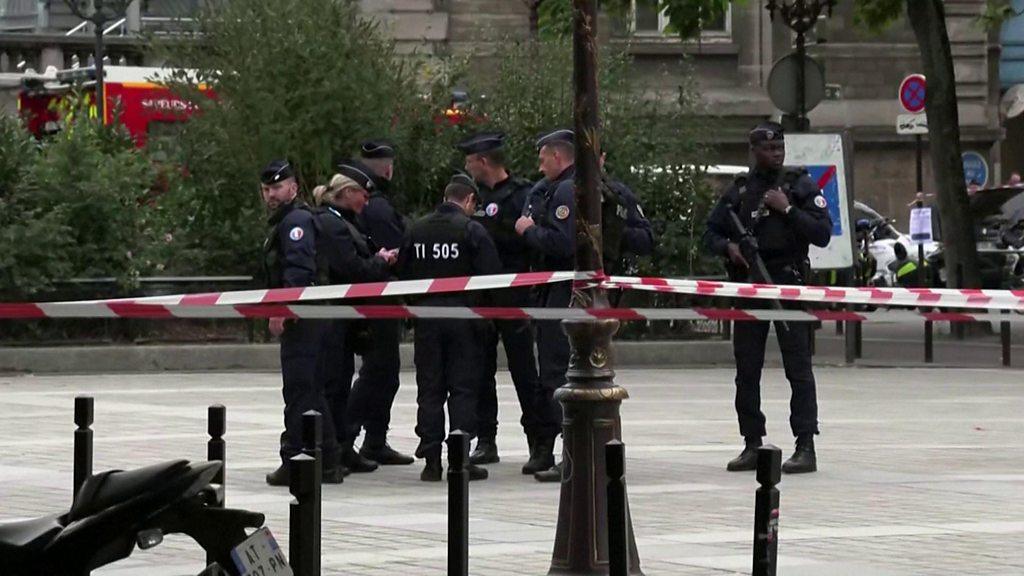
point(260, 555)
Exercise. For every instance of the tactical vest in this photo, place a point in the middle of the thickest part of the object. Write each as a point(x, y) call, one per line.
point(613, 226)
point(437, 247)
point(776, 240)
point(273, 264)
point(359, 241)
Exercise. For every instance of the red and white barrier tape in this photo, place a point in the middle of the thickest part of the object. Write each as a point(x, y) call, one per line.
point(349, 291)
point(927, 297)
point(166, 311)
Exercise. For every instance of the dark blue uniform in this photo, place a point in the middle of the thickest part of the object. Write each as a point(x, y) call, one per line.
point(625, 228)
point(552, 205)
point(783, 241)
point(448, 353)
point(291, 261)
point(374, 390)
point(499, 209)
point(346, 256)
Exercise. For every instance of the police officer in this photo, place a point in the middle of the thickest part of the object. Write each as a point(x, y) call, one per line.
point(290, 261)
point(501, 201)
point(448, 353)
point(346, 256)
point(373, 393)
point(548, 225)
point(625, 228)
point(786, 212)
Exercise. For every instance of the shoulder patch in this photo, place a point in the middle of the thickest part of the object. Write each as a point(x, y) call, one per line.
point(640, 211)
point(562, 212)
point(492, 209)
point(820, 201)
point(296, 233)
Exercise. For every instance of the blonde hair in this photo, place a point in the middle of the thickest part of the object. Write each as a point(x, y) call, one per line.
point(323, 194)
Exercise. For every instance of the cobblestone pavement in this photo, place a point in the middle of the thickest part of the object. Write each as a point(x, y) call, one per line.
point(920, 473)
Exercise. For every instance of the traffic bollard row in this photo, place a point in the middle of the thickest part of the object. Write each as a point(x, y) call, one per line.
point(766, 511)
point(458, 504)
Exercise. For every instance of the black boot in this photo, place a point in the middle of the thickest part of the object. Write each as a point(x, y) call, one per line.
point(385, 455)
point(334, 475)
point(355, 461)
point(553, 474)
point(279, 477)
point(747, 460)
point(476, 472)
point(542, 456)
point(432, 470)
point(486, 452)
point(803, 459)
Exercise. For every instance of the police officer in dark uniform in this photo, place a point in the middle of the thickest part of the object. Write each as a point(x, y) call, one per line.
point(501, 201)
point(346, 256)
point(625, 229)
point(448, 353)
point(290, 261)
point(374, 390)
point(548, 225)
point(786, 212)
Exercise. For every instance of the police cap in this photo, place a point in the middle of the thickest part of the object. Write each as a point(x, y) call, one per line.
point(377, 149)
point(563, 135)
point(767, 132)
point(482, 142)
point(358, 172)
point(277, 171)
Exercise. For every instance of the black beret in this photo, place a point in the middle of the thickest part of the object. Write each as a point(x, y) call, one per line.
point(277, 171)
point(482, 142)
point(377, 149)
point(767, 132)
point(563, 135)
point(461, 179)
point(358, 172)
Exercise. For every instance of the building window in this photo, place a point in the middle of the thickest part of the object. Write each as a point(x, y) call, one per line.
point(648, 22)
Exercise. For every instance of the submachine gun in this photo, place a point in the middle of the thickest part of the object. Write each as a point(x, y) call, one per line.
point(749, 249)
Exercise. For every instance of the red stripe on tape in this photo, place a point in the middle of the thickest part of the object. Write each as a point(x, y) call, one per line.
point(615, 314)
point(706, 287)
point(878, 294)
point(837, 315)
point(282, 295)
point(725, 314)
point(833, 294)
point(790, 292)
point(132, 310)
point(383, 311)
point(746, 291)
point(650, 281)
point(925, 295)
point(368, 290)
point(499, 313)
point(448, 284)
point(978, 299)
point(207, 299)
point(947, 317)
point(531, 278)
point(21, 311)
point(265, 311)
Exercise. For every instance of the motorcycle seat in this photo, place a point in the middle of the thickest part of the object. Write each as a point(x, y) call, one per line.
point(27, 536)
point(108, 489)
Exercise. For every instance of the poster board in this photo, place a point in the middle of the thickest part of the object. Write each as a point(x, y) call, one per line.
point(824, 158)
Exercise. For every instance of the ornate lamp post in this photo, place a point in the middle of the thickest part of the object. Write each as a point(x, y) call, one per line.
point(800, 16)
point(590, 399)
point(99, 17)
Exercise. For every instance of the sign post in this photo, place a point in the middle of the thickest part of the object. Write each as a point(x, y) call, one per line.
point(911, 95)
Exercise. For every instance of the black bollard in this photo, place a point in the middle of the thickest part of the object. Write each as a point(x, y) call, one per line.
point(304, 515)
point(458, 504)
point(216, 449)
point(312, 440)
point(929, 342)
point(766, 511)
point(83, 443)
point(1004, 338)
point(615, 466)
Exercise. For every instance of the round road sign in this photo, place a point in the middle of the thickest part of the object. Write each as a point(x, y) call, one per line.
point(975, 169)
point(912, 92)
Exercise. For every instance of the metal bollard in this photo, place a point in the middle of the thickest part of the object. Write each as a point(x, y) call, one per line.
point(312, 440)
point(615, 467)
point(304, 515)
point(458, 504)
point(216, 449)
point(766, 511)
point(929, 342)
point(83, 443)
point(1004, 338)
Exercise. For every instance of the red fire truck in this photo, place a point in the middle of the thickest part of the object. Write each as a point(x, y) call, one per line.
point(136, 97)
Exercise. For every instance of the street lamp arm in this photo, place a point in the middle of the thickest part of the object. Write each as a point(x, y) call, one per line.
point(118, 10)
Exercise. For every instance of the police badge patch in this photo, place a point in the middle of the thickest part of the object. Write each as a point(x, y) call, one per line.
point(296, 234)
point(562, 212)
point(820, 202)
point(491, 210)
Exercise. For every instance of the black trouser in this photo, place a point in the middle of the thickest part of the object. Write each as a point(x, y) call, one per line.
point(553, 360)
point(303, 347)
point(749, 340)
point(373, 393)
point(517, 337)
point(449, 361)
point(337, 366)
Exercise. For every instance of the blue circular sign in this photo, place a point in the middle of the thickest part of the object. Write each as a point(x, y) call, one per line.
point(912, 93)
point(975, 169)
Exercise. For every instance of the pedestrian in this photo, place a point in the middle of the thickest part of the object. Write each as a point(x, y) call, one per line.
point(786, 212)
point(548, 225)
point(448, 352)
point(290, 262)
point(373, 393)
point(501, 200)
point(346, 256)
point(625, 229)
